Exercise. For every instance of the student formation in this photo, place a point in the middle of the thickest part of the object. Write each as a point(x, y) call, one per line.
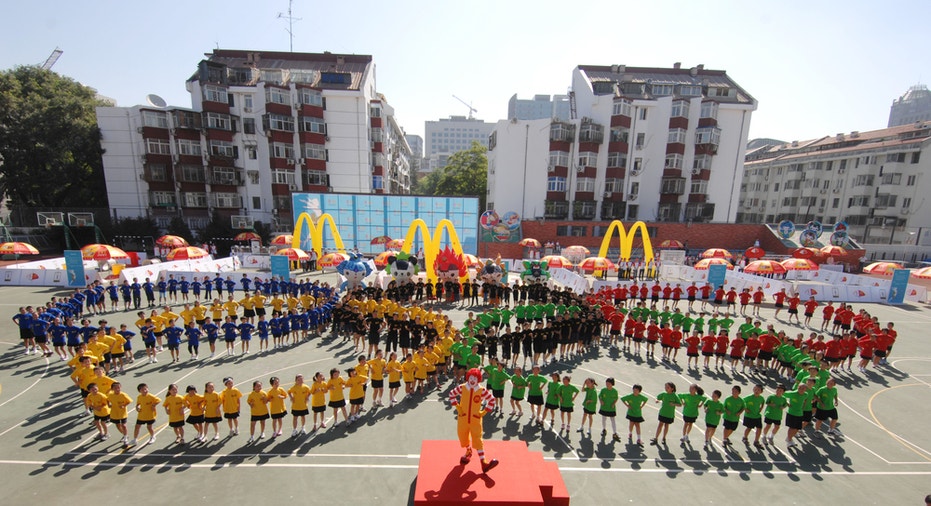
point(404, 338)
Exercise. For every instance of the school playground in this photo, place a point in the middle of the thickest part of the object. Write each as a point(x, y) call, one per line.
point(48, 453)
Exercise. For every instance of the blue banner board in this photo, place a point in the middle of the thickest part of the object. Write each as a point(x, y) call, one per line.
point(74, 265)
point(898, 287)
point(716, 274)
point(281, 267)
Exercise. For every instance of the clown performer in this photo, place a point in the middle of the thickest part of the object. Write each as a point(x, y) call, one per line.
point(468, 399)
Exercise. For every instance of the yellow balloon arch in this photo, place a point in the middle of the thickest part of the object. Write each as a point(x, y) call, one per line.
point(626, 239)
point(431, 244)
point(315, 231)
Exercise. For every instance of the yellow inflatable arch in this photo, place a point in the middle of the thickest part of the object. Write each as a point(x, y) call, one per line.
point(627, 240)
point(315, 231)
point(431, 246)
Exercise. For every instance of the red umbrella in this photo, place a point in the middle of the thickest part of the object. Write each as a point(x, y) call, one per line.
point(923, 273)
point(332, 259)
point(394, 244)
point(102, 252)
point(18, 248)
point(716, 253)
point(884, 268)
point(247, 236)
point(833, 251)
point(705, 263)
point(529, 243)
point(283, 240)
point(765, 267)
point(671, 243)
point(382, 239)
point(808, 253)
point(556, 261)
point(596, 264)
point(293, 254)
point(799, 264)
point(171, 241)
point(381, 259)
point(187, 253)
point(755, 252)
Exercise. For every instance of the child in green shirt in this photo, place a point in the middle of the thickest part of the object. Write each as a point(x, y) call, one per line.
point(667, 411)
point(775, 404)
point(518, 386)
point(713, 411)
point(567, 394)
point(589, 404)
point(690, 404)
point(634, 402)
point(608, 407)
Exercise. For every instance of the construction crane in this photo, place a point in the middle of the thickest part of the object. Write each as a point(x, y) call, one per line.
point(52, 59)
point(467, 104)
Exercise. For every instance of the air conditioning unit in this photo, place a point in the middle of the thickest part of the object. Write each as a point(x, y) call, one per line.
point(301, 161)
point(326, 138)
point(172, 131)
point(246, 109)
point(608, 195)
point(836, 190)
point(820, 209)
point(139, 129)
point(823, 192)
point(635, 172)
point(292, 187)
point(551, 168)
point(290, 161)
point(632, 196)
point(841, 171)
point(580, 168)
point(696, 171)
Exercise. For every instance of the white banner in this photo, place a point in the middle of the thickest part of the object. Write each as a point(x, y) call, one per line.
point(576, 283)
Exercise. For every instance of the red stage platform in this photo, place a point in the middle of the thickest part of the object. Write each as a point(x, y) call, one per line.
point(521, 478)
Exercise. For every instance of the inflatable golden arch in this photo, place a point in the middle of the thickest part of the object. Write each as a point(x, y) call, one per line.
point(431, 243)
point(626, 239)
point(315, 231)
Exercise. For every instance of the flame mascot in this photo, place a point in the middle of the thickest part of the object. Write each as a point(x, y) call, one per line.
point(472, 401)
point(450, 268)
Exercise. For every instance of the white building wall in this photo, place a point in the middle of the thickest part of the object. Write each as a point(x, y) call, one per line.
point(513, 184)
point(122, 160)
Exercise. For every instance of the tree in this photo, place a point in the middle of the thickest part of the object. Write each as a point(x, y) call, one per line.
point(177, 226)
point(50, 154)
point(465, 174)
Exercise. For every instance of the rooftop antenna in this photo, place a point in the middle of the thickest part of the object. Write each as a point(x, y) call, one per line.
point(291, 19)
point(467, 104)
point(52, 59)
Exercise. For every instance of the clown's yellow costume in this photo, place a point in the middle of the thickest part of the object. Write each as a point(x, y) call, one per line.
point(472, 401)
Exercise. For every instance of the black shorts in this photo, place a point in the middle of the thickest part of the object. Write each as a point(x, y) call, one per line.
point(779, 305)
point(808, 315)
point(25, 333)
point(260, 311)
point(753, 423)
point(41, 339)
point(378, 383)
point(357, 402)
point(551, 406)
point(149, 345)
point(635, 419)
point(145, 422)
point(691, 298)
point(772, 421)
point(248, 313)
point(665, 419)
point(175, 425)
point(566, 409)
point(301, 412)
point(793, 310)
point(879, 353)
point(212, 419)
point(823, 414)
point(794, 421)
point(116, 355)
point(729, 425)
point(231, 416)
point(610, 414)
point(689, 419)
point(692, 354)
point(120, 421)
point(392, 384)
point(337, 404)
point(497, 394)
point(614, 332)
point(588, 411)
point(766, 355)
point(707, 353)
point(195, 419)
point(711, 425)
point(278, 416)
point(259, 418)
point(106, 356)
point(320, 409)
point(720, 354)
point(104, 418)
point(536, 400)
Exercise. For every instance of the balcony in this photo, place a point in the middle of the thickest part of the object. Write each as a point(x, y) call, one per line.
point(225, 176)
point(226, 201)
point(710, 137)
point(672, 186)
point(556, 210)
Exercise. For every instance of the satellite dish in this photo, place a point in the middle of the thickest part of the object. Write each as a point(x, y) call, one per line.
point(155, 100)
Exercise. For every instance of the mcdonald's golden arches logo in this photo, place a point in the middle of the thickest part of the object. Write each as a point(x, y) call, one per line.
point(315, 232)
point(431, 246)
point(627, 240)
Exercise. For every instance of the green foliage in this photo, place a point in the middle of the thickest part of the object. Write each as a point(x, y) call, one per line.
point(177, 226)
point(49, 141)
point(143, 227)
point(263, 230)
point(466, 174)
point(218, 228)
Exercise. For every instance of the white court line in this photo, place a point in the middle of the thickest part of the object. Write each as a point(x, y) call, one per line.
point(34, 383)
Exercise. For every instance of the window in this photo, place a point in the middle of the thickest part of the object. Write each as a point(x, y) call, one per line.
point(709, 110)
point(672, 185)
point(835, 203)
point(302, 76)
point(217, 120)
point(253, 153)
point(702, 162)
point(377, 135)
point(842, 166)
point(281, 122)
point(621, 108)
point(256, 202)
point(281, 176)
point(906, 202)
point(225, 175)
point(863, 180)
point(674, 161)
point(311, 97)
point(282, 150)
point(584, 210)
point(620, 134)
point(719, 91)
point(632, 211)
point(617, 159)
point(680, 109)
point(247, 103)
point(271, 76)
point(155, 119)
point(378, 182)
point(585, 184)
point(634, 188)
point(676, 135)
point(192, 174)
point(157, 146)
point(641, 140)
point(643, 113)
point(892, 179)
point(895, 158)
point(708, 135)
point(591, 132)
point(194, 199)
point(916, 156)
point(311, 124)
point(248, 125)
point(570, 230)
point(561, 132)
point(227, 200)
point(699, 186)
point(556, 184)
point(862, 200)
point(157, 171)
point(213, 93)
point(223, 148)
point(336, 78)
point(661, 89)
point(614, 185)
point(790, 201)
point(610, 211)
point(162, 198)
point(375, 111)
point(187, 119)
point(189, 147)
point(315, 177)
point(588, 159)
point(277, 96)
point(690, 90)
point(314, 152)
point(886, 200)
point(559, 159)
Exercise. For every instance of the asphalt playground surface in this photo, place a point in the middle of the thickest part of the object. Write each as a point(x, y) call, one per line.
point(48, 453)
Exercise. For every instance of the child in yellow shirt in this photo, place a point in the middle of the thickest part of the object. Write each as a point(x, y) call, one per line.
point(145, 409)
point(258, 404)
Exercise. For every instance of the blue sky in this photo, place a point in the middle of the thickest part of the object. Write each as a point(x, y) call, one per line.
point(816, 68)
